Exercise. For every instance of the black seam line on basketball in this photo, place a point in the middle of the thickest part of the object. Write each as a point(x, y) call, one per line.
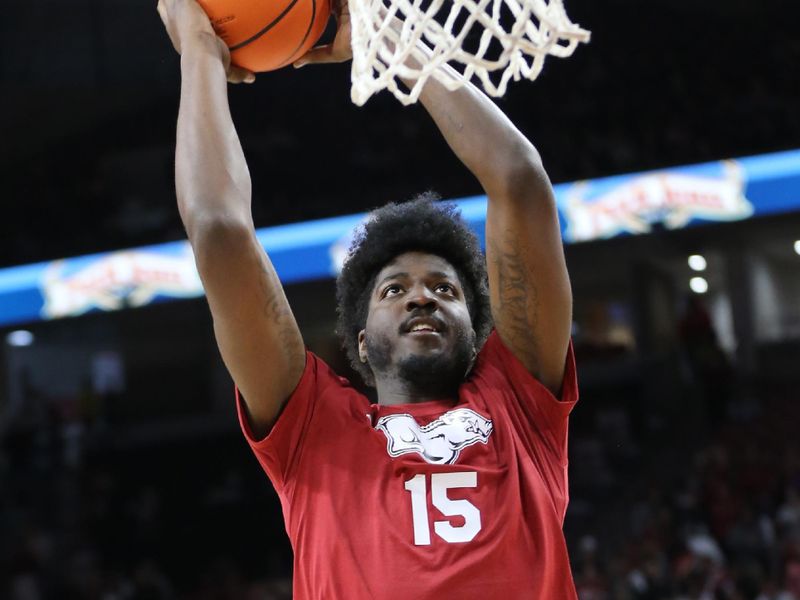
point(308, 31)
point(266, 28)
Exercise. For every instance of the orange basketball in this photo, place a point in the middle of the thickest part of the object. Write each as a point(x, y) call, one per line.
point(264, 35)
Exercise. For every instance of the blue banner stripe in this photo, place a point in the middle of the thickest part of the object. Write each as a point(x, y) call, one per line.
point(618, 205)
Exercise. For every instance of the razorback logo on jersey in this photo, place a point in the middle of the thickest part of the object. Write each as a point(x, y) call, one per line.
point(440, 441)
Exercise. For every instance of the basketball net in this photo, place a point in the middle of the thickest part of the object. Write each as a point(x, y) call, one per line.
point(415, 39)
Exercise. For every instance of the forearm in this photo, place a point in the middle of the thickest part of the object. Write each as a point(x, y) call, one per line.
point(483, 138)
point(529, 286)
point(211, 176)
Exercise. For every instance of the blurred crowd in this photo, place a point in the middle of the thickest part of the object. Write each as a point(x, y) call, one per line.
point(161, 521)
point(724, 525)
point(655, 516)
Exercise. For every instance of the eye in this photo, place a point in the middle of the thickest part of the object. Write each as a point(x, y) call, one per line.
point(391, 290)
point(444, 287)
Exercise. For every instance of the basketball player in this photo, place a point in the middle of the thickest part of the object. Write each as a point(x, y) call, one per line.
point(453, 486)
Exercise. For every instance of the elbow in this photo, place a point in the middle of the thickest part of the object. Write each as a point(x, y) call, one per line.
point(510, 165)
point(218, 236)
point(521, 177)
point(526, 171)
point(203, 224)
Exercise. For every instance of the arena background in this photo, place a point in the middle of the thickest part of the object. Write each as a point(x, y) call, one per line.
point(122, 472)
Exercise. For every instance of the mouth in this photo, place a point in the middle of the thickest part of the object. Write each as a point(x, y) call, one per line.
point(421, 326)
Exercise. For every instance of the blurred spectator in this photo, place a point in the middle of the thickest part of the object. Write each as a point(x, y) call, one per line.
point(708, 364)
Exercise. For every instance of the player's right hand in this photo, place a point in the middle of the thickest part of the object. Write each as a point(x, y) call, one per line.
point(187, 23)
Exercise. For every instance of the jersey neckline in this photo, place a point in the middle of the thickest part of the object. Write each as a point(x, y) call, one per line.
point(417, 409)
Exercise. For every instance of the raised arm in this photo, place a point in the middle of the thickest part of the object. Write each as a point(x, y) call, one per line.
point(531, 297)
point(530, 291)
point(256, 332)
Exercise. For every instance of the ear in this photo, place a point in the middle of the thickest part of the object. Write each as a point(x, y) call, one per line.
point(362, 345)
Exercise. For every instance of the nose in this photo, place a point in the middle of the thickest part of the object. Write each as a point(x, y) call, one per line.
point(420, 297)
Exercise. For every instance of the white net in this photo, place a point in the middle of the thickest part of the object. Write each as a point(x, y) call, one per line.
point(493, 41)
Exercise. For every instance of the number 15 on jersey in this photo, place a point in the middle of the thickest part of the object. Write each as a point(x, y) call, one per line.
point(440, 483)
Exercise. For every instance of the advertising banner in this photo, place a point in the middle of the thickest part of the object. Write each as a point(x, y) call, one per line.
point(632, 204)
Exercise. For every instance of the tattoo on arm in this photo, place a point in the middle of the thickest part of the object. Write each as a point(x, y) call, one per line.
point(518, 300)
point(277, 310)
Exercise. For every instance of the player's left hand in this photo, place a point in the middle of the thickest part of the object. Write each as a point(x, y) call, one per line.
point(340, 50)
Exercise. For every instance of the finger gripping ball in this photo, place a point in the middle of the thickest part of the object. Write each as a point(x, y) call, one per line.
point(264, 35)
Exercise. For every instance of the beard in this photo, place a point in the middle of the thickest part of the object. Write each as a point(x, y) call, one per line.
point(439, 374)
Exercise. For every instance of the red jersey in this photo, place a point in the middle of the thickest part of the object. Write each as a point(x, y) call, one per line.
point(461, 499)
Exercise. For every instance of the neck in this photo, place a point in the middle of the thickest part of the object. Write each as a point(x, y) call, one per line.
point(393, 391)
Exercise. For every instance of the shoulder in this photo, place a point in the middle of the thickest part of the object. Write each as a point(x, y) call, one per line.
point(502, 384)
point(497, 367)
point(320, 380)
point(320, 398)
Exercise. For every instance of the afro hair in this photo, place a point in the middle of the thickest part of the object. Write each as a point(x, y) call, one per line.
point(421, 224)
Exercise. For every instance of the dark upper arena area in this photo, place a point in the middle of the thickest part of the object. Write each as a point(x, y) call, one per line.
point(90, 97)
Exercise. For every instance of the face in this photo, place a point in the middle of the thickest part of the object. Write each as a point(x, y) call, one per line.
point(418, 326)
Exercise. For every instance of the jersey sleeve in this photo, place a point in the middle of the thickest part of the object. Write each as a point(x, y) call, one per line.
point(542, 419)
point(281, 450)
